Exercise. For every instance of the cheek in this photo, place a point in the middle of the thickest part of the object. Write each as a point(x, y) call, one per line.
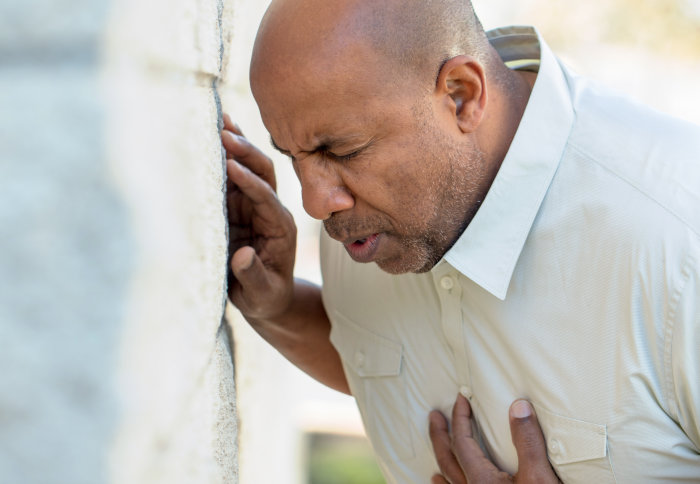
point(396, 180)
point(414, 179)
point(385, 190)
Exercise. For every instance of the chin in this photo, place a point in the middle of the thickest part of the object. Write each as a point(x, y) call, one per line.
point(403, 265)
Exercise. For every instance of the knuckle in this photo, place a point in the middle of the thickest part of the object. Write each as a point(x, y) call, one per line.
point(460, 445)
point(531, 441)
point(538, 475)
point(498, 477)
point(443, 463)
point(483, 476)
point(529, 435)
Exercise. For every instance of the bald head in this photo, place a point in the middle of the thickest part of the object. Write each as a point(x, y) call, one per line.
point(420, 35)
point(417, 35)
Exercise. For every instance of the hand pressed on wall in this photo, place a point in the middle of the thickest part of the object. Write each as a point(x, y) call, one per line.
point(462, 461)
point(262, 233)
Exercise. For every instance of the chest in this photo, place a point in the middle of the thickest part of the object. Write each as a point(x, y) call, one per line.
point(589, 360)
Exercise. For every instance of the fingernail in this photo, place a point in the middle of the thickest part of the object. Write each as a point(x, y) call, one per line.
point(521, 409)
point(250, 262)
point(233, 136)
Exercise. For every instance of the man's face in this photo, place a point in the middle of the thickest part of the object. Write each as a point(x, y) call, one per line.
point(391, 179)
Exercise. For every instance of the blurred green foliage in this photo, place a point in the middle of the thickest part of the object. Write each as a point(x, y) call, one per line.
point(336, 459)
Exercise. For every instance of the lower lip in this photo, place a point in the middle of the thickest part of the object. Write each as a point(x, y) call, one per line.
point(365, 251)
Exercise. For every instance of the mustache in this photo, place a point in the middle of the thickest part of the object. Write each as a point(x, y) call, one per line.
point(341, 227)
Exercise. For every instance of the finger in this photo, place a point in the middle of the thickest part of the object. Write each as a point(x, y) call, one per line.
point(474, 463)
point(438, 479)
point(249, 155)
point(252, 283)
point(230, 125)
point(461, 418)
point(254, 187)
point(249, 269)
point(255, 213)
point(467, 450)
point(442, 448)
point(259, 203)
point(533, 465)
point(248, 280)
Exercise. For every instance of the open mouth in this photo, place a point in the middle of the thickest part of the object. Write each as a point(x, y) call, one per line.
point(364, 249)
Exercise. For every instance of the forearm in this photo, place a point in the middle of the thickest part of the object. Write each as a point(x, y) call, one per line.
point(302, 335)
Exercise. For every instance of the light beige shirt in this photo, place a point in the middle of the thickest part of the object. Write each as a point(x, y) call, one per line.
point(576, 286)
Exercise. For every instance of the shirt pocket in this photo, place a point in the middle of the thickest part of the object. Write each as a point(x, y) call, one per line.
point(578, 450)
point(373, 366)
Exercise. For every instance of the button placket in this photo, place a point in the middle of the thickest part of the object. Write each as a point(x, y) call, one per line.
point(450, 295)
point(466, 392)
point(554, 447)
point(359, 359)
point(447, 283)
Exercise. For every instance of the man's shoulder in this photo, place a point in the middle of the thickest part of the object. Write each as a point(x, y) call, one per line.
point(616, 129)
point(644, 155)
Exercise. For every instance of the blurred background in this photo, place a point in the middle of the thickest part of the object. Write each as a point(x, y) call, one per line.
point(116, 363)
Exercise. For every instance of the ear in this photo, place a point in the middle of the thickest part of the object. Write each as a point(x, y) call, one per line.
point(461, 86)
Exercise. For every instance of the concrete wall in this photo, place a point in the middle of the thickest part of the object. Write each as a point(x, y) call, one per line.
point(164, 62)
point(117, 364)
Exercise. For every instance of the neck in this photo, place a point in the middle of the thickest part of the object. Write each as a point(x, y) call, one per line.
point(509, 95)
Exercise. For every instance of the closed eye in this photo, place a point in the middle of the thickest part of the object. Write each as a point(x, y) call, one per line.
point(341, 158)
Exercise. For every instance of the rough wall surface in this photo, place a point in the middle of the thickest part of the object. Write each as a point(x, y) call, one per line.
point(164, 62)
point(117, 367)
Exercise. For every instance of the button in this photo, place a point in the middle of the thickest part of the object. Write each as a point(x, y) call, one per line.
point(447, 283)
point(359, 358)
point(554, 447)
point(466, 392)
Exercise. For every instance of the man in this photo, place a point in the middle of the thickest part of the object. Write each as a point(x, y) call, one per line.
point(508, 231)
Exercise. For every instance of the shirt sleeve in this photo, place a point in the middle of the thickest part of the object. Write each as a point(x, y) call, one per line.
point(685, 353)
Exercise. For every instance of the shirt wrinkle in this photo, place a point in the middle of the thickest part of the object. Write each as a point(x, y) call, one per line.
point(670, 386)
point(636, 187)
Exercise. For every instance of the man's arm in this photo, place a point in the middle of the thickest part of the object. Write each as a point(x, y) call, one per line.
point(302, 336)
point(288, 314)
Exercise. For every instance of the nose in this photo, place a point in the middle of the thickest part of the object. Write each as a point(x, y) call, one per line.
point(322, 189)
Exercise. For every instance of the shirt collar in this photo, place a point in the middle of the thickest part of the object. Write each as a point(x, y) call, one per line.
point(489, 248)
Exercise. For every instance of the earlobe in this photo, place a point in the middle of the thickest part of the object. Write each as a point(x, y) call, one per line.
point(462, 84)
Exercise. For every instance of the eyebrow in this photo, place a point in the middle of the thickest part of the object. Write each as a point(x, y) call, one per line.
point(324, 144)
